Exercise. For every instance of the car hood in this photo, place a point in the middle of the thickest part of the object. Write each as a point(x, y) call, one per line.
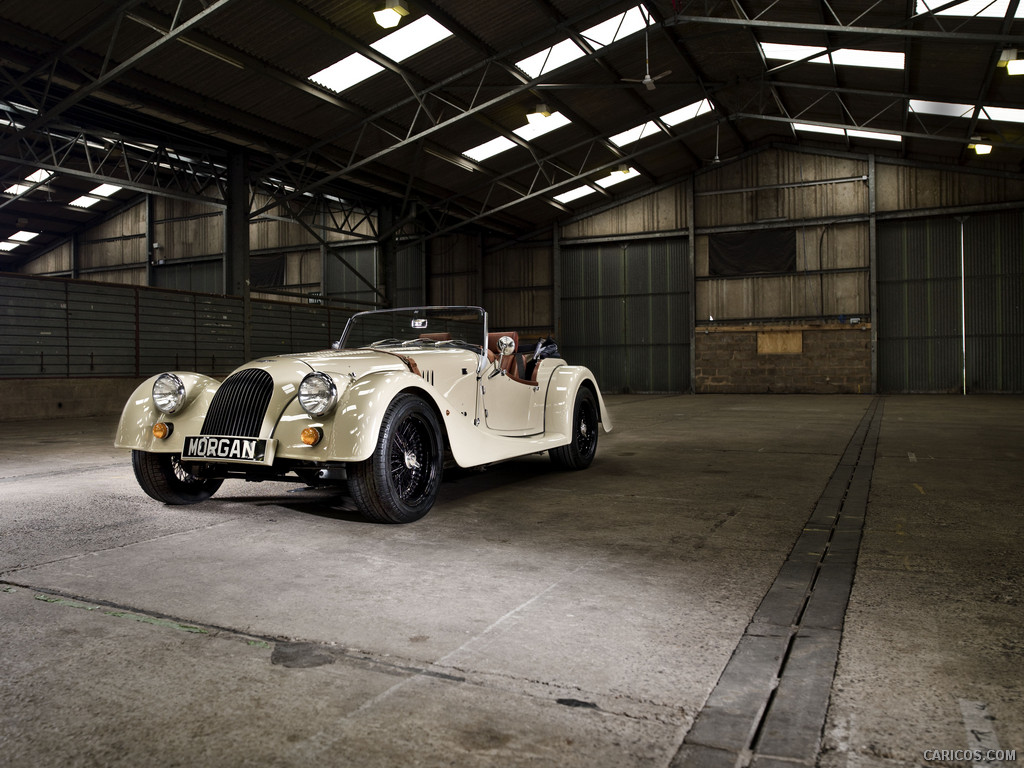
point(354, 363)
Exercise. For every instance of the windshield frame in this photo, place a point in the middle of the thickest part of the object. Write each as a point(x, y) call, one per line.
point(407, 335)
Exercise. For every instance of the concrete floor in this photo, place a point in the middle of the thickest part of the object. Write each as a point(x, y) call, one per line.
point(533, 618)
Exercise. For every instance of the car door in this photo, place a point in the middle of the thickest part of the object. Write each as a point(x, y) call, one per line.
point(513, 407)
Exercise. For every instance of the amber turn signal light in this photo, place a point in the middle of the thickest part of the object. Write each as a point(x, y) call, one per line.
point(162, 431)
point(312, 435)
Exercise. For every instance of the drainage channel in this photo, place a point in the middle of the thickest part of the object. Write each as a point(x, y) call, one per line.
point(768, 708)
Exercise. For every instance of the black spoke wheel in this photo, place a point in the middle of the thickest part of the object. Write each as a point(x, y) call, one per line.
point(579, 453)
point(166, 479)
point(400, 481)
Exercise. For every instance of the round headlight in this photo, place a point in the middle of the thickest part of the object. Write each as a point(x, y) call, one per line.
point(168, 392)
point(317, 394)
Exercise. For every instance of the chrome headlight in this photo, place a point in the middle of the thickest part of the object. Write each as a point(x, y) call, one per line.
point(168, 393)
point(317, 394)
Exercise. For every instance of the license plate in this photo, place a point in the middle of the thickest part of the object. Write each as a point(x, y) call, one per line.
point(251, 450)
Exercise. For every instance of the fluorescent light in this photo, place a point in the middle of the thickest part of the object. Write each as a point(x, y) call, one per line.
point(398, 46)
point(23, 236)
point(573, 194)
point(539, 114)
point(849, 57)
point(391, 13)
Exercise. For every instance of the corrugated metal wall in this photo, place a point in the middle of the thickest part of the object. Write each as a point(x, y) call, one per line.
point(994, 301)
point(922, 294)
point(66, 328)
point(626, 314)
point(919, 339)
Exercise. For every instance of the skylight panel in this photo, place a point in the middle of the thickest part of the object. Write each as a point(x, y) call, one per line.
point(689, 112)
point(617, 177)
point(6, 246)
point(848, 57)
point(489, 148)
point(343, 74)
point(398, 46)
point(634, 134)
point(853, 133)
point(819, 129)
point(573, 194)
point(1004, 114)
point(24, 236)
point(528, 132)
point(36, 177)
point(556, 56)
point(616, 28)
point(105, 190)
point(980, 8)
point(531, 131)
point(941, 108)
point(84, 202)
point(411, 39)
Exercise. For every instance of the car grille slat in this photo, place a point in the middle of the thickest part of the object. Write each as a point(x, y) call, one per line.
point(238, 407)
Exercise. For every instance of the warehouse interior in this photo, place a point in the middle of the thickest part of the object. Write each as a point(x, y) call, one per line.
point(787, 237)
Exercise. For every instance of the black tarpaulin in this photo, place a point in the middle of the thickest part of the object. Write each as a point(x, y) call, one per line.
point(750, 253)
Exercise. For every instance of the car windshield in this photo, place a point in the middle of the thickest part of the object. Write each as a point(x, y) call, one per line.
point(464, 327)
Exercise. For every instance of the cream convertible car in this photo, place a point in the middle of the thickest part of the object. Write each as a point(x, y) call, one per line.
point(403, 393)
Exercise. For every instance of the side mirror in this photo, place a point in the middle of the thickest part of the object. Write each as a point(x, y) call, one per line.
point(506, 346)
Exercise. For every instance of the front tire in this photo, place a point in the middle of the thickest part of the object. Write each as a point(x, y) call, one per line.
point(579, 453)
point(400, 480)
point(163, 477)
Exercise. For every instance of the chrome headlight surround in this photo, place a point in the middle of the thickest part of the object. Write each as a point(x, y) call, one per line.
point(168, 393)
point(318, 394)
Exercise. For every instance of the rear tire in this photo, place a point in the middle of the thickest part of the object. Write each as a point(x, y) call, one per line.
point(400, 481)
point(163, 477)
point(579, 453)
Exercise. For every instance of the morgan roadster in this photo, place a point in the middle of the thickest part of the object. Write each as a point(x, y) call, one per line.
point(402, 395)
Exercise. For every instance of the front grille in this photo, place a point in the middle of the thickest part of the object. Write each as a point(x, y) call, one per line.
point(240, 404)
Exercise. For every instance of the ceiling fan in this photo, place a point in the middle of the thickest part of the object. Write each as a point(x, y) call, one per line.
point(647, 80)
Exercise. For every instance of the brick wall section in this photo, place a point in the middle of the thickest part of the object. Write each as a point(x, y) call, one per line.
point(834, 359)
